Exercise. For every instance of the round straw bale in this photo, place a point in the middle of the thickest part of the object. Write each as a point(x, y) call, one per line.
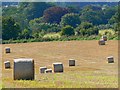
point(23, 69)
point(71, 62)
point(57, 67)
point(110, 59)
point(7, 49)
point(48, 71)
point(42, 69)
point(101, 42)
point(7, 64)
point(104, 37)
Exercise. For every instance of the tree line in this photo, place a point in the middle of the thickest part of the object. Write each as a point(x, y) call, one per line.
point(35, 19)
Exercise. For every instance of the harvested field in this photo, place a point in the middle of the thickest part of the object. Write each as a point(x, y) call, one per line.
point(91, 71)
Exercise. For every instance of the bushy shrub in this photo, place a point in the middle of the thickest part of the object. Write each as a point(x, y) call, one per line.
point(71, 19)
point(86, 28)
point(38, 27)
point(67, 30)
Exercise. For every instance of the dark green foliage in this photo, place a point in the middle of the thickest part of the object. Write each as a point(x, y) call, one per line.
point(0, 29)
point(117, 25)
point(97, 15)
point(92, 7)
point(26, 11)
point(74, 9)
point(114, 19)
point(67, 30)
point(25, 34)
point(32, 20)
point(36, 26)
point(63, 38)
point(33, 9)
point(10, 28)
point(70, 19)
point(91, 16)
point(108, 13)
point(9, 11)
point(86, 28)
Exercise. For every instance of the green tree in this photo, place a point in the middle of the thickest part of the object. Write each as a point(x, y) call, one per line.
point(86, 28)
point(70, 19)
point(0, 28)
point(25, 34)
point(113, 19)
point(117, 25)
point(34, 25)
point(67, 30)
point(97, 15)
point(33, 9)
point(25, 12)
point(94, 17)
point(74, 9)
point(37, 25)
point(109, 12)
point(10, 29)
point(86, 25)
point(9, 11)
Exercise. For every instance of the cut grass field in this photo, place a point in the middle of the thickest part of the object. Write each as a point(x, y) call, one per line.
point(91, 70)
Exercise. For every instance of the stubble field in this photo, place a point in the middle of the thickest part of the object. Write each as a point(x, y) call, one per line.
point(91, 70)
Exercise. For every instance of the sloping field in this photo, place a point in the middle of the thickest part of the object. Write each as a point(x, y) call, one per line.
point(91, 70)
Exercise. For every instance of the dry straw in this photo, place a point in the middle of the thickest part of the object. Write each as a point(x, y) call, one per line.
point(42, 69)
point(7, 49)
point(110, 59)
point(7, 64)
point(101, 42)
point(71, 62)
point(104, 37)
point(23, 69)
point(57, 67)
point(48, 71)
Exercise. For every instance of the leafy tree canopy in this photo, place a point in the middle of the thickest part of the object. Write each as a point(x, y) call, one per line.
point(67, 30)
point(10, 28)
point(70, 19)
point(54, 14)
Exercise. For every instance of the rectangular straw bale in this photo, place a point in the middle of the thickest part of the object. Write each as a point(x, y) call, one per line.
point(58, 67)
